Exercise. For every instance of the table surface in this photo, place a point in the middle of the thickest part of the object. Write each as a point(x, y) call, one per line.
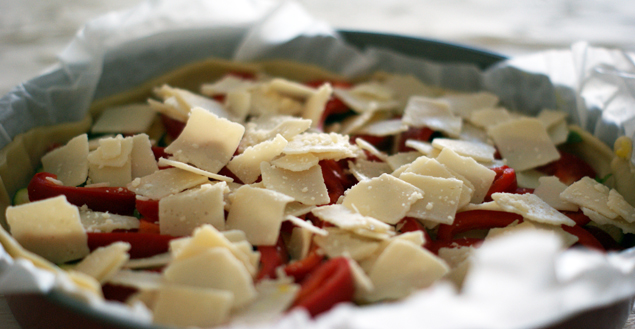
point(33, 32)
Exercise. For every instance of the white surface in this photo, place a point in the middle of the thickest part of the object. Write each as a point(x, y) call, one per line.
point(32, 32)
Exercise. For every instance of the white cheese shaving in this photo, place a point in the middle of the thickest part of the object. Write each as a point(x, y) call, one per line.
point(50, 228)
point(480, 152)
point(215, 268)
point(340, 242)
point(184, 166)
point(165, 182)
point(180, 214)
point(400, 159)
point(127, 119)
point(69, 162)
point(531, 207)
point(246, 166)
point(432, 113)
point(524, 143)
point(549, 191)
point(324, 146)
point(142, 159)
point(316, 104)
point(258, 213)
point(480, 176)
point(185, 100)
point(346, 219)
point(566, 238)
point(269, 126)
point(441, 197)
point(384, 128)
point(142, 280)
point(620, 206)
point(274, 298)
point(207, 141)
point(589, 194)
point(95, 221)
point(364, 169)
point(291, 88)
point(182, 306)
point(385, 198)
point(229, 83)
point(363, 102)
point(307, 225)
point(489, 117)
point(300, 243)
point(104, 262)
point(296, 162)
point(306, 186)
point(463, 104)
point(600, 219)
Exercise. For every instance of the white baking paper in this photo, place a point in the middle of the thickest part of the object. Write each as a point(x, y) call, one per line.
point(521, 281)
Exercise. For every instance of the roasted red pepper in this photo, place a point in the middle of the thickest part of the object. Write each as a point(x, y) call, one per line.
point(505, 181)
point(270, 258)
point(146, 226)
point(141, 244)
point(299, 269)
point(410, 224)
point(585, 238)
point(456, 243)
point(117, 200)
point(569, 168)
point(416, 133)
point(335, 179)
point(331, 283)
point(172, 126)
point(149, 209)
point(476, 220)
point(578, 217)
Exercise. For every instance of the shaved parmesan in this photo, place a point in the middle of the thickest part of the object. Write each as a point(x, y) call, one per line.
point(403, 268)
point(95, 221)
point(549, 191)
point(238, 103)
point(291, 88)
point(111, 161)
point(316, 104)
point(305, 224)
point(274, 298)
point(363, 102)
point(258, 213)
point(619, 205)
point(340, 242)
point(304, 186)
point(529, 178)
point(69, 162)
point(103, 263)
point(149, 262)
point(480, 176)
point(300, 242)
point(366, 146)
point(324, 146)
point(142, 280)
point(566, 238)
point(269, 126)
point(489, 117)
point(229, 83)
point(165, 182)
point(346, 219)
point(478, 151)
point(589, 194)
point(186, 100)
point(399, 159)
point(524, 143)
point(441, 197)
point(184, 166)
point(385, 198)
point(182, 306)
point(50, 228)
point(384, 128)
point(142, 159)
point(128, 119)
point(463, 104)
point(405, 86)
point(296, 162)
point(364, 169)
point(207, 141)
point(246, 166)
point(600, 219)
point(266, 101)
point(435, 114)
point(214, 268)
point(180, 214)
point(531, 207)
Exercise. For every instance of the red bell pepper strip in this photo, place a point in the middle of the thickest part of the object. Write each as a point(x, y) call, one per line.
point(335, 179)
point(146, 226)
point(172, 126)
point(118, 200)
point(456, 243)
point(270, 258)
point(505, 181)
point(416, 133)
point(585, 238)
point(578, 217)
point(476, 220)
point(331, 283)
point(569, 168)
point(149, 209)
point(301, 268)
point(141, 244)
point(410, 224)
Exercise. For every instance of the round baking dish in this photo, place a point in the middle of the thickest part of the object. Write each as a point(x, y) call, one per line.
point(57, 310)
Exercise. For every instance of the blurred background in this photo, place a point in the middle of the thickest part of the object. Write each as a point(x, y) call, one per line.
point(32, 32)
